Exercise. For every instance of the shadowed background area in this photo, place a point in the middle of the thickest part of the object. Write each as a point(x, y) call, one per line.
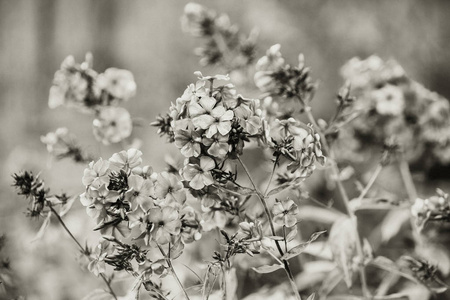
point(145, 37)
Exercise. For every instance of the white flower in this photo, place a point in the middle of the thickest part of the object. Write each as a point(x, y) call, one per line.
point(117, 82)
point(126, 159)
point(389, 100)
point(112, 125)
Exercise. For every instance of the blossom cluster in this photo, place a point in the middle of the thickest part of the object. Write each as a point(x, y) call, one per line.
point(224, 44)
point(62, 144)
point(389, 103)
point(282, 81)
point(79, 86)
point(211, 125)
point(130, 200)
point(435, 208)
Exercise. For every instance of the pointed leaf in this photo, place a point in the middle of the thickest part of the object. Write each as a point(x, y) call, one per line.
point(267, 269)
point(300, 248)
point(43, 228)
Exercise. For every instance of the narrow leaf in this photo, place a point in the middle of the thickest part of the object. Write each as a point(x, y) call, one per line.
point(267, 269)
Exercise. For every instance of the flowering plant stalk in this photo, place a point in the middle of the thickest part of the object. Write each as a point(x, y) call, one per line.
point(149, 220)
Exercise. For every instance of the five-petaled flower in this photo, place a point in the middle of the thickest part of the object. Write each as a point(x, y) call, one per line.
point(284, 213)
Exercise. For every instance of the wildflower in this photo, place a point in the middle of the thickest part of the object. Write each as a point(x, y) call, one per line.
point(389, 100)
point(169, 187)
point(140, 192)
point(272, 61)
point(199, 175)
point(96, 174)
point(96, 199)
point(194, 92)
point(197, 20)
point(55, 141)
point(215, 120)
point(248, 119)
point(218, 145)
point(112, 125)
point(284, 213)
point(190, 225)
point(126, 159)
point(188, 141)
point(118, 83)
point(282, 129)
point(166, 223)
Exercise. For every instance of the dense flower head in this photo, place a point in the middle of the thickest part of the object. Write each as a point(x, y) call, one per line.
point(435, 208)
point(389, 103)
point(281, 80)
point(78, 85)
point(112, 125)
point(121, 195)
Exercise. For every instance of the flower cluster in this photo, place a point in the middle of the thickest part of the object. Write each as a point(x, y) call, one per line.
point(62, 144)
point(224, 44)
point(389, 103)
point(435, 208)
point(78, 85)
point(122, 195)
point(281, 80)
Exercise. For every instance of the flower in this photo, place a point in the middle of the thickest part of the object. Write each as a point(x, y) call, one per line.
point(166, 223)
point(284, 213)
point(126, 159)
point(248, 119)
point(389, 100)
point(169, 187)
point(112, 125)
point(197, 20)
point(96, 199)
point(218, 145)
point(188, 141)
point(140, 192)
point(199, 175)
point(194, 92)
point(56, 141)
point(190, 225)
point(272, 61)
point(118, 83)
point(96, 174)
point(214, 120)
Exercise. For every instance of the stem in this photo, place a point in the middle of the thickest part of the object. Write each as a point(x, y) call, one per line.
point(272, 228)
point(271, 175)
point(107, 282)
point(371, 182)
point(407, 179)
point(345, 199)
point(174, 274)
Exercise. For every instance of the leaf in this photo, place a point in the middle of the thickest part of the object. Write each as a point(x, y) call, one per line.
point(342, 242)
point(390, 266)
point(291, 235)
point(279, 189)
point(301, 248)
point(319, 214)
point(267, 269)
point(43, 228)
point(375, 204)
point(67, 206)
point(232, 284)
point(312, 296)
point(276, 238)
point(98, 294)
point(392, 223)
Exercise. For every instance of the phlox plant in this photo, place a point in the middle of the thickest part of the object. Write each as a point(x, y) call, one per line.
point(280, 227)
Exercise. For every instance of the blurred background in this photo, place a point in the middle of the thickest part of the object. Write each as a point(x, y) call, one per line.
point(145, 37)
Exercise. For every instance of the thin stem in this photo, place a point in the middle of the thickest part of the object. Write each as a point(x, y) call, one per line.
point(107, 282)
point(407, 179)
point(345, 199)
point(272, 228)
point(271, 175)
point(174, 274)
point(372, 180)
